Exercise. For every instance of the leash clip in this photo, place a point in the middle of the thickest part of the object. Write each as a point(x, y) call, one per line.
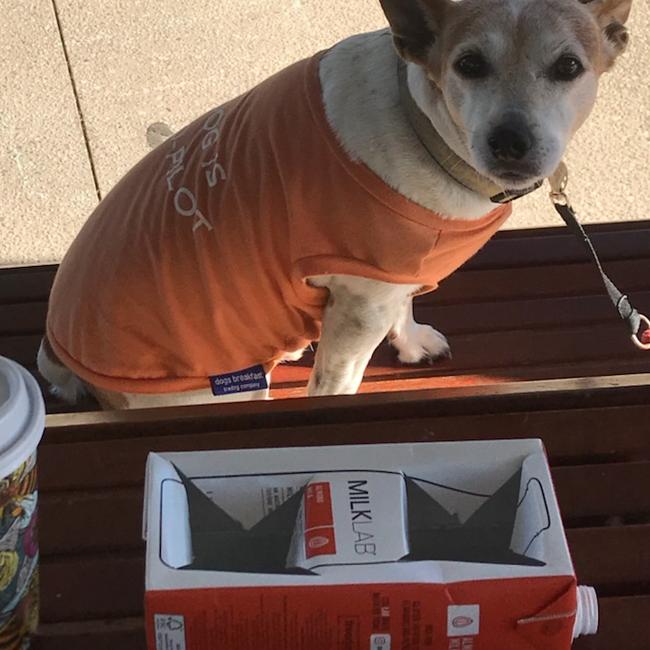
point(559, 182)
point(643, 342)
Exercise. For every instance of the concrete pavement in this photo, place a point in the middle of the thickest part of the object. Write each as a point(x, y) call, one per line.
point(81, 80)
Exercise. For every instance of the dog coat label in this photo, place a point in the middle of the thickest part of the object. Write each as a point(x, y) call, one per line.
point(241, 381)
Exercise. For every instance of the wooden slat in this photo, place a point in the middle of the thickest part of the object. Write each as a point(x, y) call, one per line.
point(515, 339)
point(93, 587)
point(21, 348)
point(451, 318)
point(425, 377)
point(470, 284)
point(614, 560)
point(70, 466)
point(513, 248)
point(616, 489)
point(89, 521)
point(528, 282)
point(623, 624)
point(25, 284)
point(453, 312)
point(385, 367)
point(520, 397)
point(558, 245)
point(471, 364)
point(22, 318)
point(291, 383)
point(472, 352)
point(111, 634)
point(463, 317)
point(491, 351)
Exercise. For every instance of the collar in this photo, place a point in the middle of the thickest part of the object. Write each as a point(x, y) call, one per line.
point(447, 159)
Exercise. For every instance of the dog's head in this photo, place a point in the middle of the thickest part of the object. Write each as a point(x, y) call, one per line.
point(518, 77)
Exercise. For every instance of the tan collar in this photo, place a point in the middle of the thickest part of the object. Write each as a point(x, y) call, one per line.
point(447, 159)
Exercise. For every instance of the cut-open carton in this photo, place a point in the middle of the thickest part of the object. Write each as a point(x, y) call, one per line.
point(441, 545)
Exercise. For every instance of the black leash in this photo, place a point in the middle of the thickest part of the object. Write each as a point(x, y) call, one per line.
point(621, 302)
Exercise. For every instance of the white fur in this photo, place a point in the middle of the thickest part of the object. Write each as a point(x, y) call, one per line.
point(414, 341)
point(359, 315)
point(361, 99)
point(64, 384)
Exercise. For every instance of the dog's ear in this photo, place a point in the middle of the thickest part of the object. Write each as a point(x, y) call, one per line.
point(611, 16)
point(414, 24)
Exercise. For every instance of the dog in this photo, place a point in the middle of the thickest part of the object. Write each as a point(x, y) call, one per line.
point(318, 204)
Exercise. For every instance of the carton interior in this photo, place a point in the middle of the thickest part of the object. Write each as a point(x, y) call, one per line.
point(444, 511)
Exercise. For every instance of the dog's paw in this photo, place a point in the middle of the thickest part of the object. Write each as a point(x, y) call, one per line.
point(421, 343)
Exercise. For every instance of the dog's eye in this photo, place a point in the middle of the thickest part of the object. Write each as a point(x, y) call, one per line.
point(567, 68)
point(472, 66)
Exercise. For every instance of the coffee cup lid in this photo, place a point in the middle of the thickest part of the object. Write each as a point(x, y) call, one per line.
point(22, 416)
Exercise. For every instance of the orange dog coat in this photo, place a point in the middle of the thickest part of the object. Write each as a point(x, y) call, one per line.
point(196, 263)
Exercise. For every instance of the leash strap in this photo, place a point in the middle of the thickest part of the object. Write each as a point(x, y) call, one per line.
point(620, 301)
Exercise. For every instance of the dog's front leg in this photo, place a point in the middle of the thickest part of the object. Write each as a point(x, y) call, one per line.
point(358, 315)
point(414, 341)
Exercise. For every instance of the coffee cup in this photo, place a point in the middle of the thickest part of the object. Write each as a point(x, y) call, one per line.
point(22, 420)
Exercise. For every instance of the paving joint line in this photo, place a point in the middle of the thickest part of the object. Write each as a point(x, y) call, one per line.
point(75, 92)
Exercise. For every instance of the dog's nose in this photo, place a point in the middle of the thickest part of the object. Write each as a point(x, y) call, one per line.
point(510, 142)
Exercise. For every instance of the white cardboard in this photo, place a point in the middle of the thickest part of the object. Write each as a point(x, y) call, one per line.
point(477, 467)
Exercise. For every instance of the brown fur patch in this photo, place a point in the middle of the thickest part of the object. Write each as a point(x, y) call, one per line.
point(617, 34)
point(411, 30)
point(610, 16)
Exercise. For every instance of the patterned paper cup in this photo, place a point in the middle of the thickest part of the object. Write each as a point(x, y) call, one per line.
point(22, 419)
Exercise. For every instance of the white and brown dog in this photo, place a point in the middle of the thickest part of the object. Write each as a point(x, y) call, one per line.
point(347, 184)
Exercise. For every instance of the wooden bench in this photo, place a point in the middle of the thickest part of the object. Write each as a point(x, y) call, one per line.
point(92, 469)
point(523, 317)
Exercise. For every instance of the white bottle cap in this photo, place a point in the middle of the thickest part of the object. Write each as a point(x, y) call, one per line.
point(586, 612)
point(22, 416)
